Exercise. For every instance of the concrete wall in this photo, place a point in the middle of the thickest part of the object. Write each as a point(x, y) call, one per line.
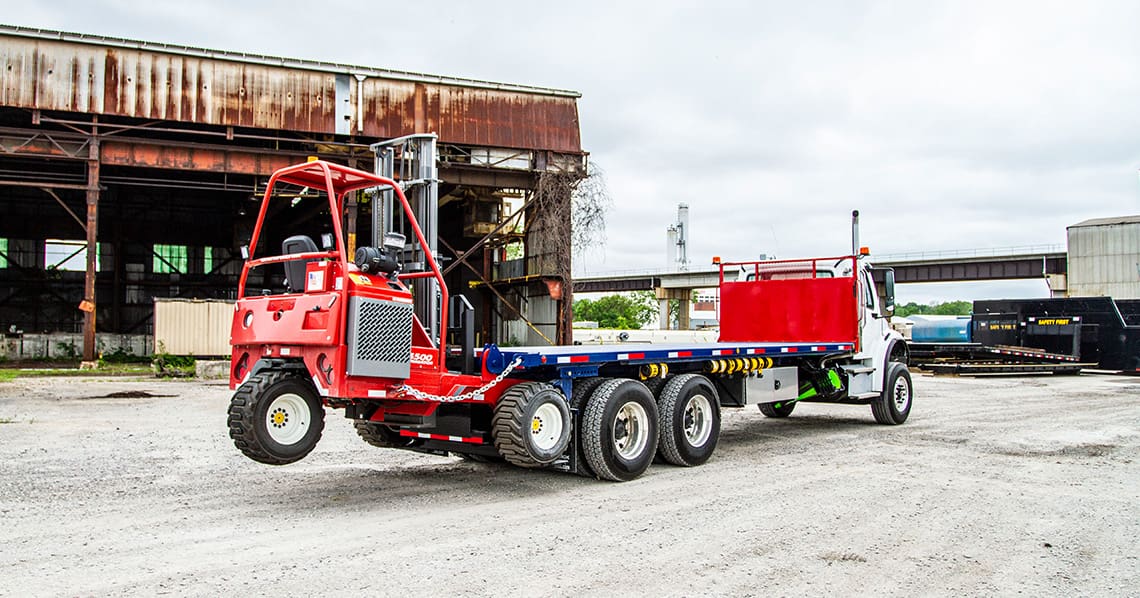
point(70, 346)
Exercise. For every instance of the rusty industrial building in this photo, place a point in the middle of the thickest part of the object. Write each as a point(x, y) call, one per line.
point(130, 171)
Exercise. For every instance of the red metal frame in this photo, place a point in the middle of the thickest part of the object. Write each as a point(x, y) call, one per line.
point(338, 180)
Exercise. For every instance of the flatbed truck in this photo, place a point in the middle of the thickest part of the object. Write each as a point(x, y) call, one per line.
point(341, 334)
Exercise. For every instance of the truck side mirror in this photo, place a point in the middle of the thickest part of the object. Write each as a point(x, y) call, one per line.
point(889, 291)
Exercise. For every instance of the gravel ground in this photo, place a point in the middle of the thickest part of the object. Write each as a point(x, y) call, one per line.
point(995, 486)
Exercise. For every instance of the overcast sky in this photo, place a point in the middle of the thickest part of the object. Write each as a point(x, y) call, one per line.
point(954, 125)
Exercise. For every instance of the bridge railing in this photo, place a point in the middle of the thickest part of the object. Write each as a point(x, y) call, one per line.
point(1014, 251)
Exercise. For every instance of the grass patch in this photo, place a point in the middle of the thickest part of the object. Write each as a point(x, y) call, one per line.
point(7, 375)
point(7, 420)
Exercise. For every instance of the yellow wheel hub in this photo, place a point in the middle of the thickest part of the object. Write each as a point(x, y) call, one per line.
point(535, 425)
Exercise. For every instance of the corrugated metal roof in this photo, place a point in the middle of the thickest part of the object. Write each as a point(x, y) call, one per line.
point(1108, 221)
point(262, 59)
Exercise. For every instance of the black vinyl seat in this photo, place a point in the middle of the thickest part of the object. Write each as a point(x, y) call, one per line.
point(295, 270)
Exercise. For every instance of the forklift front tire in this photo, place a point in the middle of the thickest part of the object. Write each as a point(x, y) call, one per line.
point(276, 417)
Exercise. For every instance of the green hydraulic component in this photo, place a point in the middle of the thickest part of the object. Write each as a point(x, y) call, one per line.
point(808, 390)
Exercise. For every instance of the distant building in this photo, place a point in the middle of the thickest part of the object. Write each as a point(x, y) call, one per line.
point(1104, 258)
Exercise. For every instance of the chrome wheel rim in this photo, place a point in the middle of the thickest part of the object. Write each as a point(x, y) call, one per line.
point(546, 426)
point(697, 420)
point(631, 430)
point(287, 419)
point(901, 394)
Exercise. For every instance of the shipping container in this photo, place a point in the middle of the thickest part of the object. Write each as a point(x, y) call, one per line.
point(199, 327)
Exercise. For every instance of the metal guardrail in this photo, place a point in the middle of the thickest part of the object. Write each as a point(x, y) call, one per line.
point(1015, 251)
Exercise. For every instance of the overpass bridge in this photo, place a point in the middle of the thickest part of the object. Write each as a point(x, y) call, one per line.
point(1007, 263)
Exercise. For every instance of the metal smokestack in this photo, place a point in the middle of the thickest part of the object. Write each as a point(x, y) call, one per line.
point(855, 232)
point(683, 236)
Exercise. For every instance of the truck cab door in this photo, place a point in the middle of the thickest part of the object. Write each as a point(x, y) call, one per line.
point(873, 326)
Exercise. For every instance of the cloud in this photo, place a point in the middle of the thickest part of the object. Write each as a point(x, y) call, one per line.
point(949, 125)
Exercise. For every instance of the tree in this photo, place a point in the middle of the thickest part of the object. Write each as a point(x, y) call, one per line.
point(950, 308)
point(625, 311)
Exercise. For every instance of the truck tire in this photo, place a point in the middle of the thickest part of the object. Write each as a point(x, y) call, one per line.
point(655, 385)
point(276, 417)
point(583, 389)
point(531, 426)
point(893, 405)
point(688, 420)
point(619, 430)
point(380, 435)
point(782, 409)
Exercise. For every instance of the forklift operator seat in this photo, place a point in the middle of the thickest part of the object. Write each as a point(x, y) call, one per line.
point(295, 270)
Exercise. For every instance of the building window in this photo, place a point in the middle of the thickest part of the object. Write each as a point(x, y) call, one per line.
point(169, 259)
point(214, 258)
point(3, 253)
point(67, 255)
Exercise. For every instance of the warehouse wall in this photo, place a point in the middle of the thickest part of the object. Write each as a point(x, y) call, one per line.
point(1104, 259)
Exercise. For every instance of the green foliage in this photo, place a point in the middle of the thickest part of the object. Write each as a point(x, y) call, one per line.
point(68, 350)
point(121, 355)
point(624, 312)
point(172, 366)
point(7, 375)
point(950, 308)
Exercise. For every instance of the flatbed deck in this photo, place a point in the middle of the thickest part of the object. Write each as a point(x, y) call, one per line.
point(637, 353)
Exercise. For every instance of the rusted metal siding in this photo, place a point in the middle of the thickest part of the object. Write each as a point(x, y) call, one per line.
point(187, 89)
point(498, 119)
point(139, 80)
point(52, 80)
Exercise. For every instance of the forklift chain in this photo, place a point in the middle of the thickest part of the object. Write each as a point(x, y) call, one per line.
point(419, 394)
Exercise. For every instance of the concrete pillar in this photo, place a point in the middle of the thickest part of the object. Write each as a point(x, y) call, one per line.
point(663, 307)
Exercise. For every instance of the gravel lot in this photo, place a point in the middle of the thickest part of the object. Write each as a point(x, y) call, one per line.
point(995, 486)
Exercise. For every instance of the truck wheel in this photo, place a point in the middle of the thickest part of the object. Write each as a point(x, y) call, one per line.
point(531, 426)
point(276, 417)
point(619, 430)
point(380, 435)
point(583, 389)
point(783, 409)
point(689, 420)
point(893, 405)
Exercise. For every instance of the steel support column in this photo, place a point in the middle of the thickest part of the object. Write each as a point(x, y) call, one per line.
point(89, 352)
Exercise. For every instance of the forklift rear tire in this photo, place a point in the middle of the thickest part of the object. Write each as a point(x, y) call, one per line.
point(276, 417)
point(783, 409)
point(531, 426)
point(689, 420)
point(893, 405)
point(619, 430)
